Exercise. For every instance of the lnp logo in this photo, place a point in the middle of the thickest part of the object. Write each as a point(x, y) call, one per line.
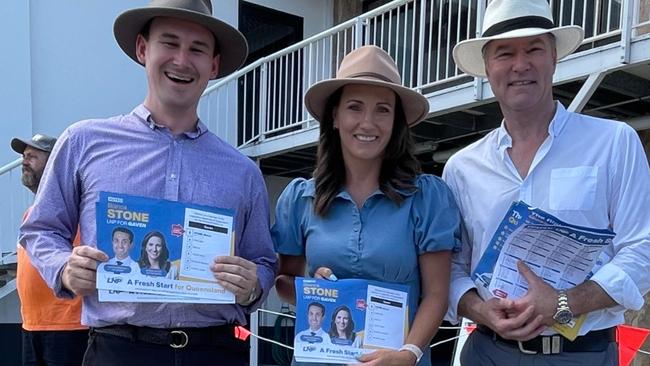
point(177, 230)
point(114, 280)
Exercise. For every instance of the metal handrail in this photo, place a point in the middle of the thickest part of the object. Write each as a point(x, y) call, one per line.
point(11, 166)
point(305, 42)
point(10, 286)
point(271, 88)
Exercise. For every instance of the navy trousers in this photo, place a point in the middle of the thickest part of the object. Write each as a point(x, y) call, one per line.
point(110, 350)
point(54, 348)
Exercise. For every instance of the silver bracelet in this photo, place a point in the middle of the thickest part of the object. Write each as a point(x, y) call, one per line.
point(415, 350)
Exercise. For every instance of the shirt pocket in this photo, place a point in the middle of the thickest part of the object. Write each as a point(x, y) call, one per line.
point(573, 188)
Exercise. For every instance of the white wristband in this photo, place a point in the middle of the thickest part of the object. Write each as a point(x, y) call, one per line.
point(415, 350)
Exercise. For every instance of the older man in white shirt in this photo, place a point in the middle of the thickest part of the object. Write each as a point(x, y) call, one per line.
point(586, 171)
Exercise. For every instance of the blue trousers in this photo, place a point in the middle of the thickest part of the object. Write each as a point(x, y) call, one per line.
point(54, 348)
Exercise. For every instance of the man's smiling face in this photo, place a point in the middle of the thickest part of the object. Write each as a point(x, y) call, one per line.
point(179, 60)
point(520, 71)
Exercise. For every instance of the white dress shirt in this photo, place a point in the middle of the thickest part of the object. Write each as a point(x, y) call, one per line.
point(589, 172)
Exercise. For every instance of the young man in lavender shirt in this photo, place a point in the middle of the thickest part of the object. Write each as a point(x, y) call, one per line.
point(160, 150)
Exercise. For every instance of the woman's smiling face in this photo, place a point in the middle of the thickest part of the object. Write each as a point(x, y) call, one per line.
point(154, 247)
point(342, 320)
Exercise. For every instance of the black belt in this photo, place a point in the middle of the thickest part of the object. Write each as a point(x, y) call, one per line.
point(594, 341)
point(175, 338)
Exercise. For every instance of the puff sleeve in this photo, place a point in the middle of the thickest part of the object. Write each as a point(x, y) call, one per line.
point(436, 216)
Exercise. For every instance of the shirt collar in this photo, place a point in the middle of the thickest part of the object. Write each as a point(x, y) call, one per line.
point(126, 261)
point(504, 141)
point(559, 120)
point(144, 115)
point(310, 191)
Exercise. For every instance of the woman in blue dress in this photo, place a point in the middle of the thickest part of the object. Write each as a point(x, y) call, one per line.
point(368, 212)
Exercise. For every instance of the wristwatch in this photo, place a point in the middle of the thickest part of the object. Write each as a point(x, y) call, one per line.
point(563, 314)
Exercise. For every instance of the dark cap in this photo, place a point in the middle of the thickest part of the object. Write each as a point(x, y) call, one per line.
point(39, 141)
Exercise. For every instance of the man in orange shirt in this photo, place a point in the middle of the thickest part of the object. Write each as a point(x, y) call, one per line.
point(52, 332)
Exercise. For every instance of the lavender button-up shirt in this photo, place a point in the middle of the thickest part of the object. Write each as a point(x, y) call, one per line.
point(132, 155)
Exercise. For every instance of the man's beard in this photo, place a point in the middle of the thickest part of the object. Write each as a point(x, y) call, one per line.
point(30, 179)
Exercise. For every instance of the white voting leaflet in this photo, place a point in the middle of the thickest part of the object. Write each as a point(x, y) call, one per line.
point(564, 255)
point(385, 317)
point(207, 235)
point(560, 255)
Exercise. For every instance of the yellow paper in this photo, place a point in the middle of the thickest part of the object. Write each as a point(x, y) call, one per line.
point(570, 330)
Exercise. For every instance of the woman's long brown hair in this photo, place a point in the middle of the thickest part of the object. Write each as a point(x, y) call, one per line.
point(399, 167)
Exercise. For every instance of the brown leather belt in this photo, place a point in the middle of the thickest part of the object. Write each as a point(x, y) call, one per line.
point(594, 341)
point(175, 338)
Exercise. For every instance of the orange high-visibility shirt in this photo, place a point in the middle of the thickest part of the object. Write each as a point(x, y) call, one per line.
point(39, 308)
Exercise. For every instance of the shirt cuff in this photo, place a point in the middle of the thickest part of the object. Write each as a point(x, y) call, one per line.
point(59, 290)
point(619, 286)
point(265, 280)
point(457, 289)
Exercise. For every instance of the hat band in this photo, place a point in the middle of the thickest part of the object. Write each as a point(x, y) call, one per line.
point(518, 23)
point(372, 75)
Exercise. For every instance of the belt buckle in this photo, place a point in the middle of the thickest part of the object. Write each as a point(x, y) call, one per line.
point(183, 341)
point(523, 350)
point(551, 345)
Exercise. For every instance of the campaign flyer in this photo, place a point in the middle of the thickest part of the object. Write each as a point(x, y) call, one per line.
point(337, 321)
point(562, 254)
point(162, 248)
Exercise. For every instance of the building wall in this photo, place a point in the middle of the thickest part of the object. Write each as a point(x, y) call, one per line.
point(15, 93)
point(344, 10)
point(318, 16)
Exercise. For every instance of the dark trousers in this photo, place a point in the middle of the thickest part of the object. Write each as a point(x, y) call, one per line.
point(110, 350)
point(483, 350)
point(56, 348)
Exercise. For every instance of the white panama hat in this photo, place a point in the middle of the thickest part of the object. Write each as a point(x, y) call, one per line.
point(515, 19)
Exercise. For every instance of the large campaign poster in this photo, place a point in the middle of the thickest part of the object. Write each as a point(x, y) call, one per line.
point(162, 248)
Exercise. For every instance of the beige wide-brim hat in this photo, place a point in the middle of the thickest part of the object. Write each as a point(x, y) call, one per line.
point(232, 44)
point(367, 65)
point(515, 19)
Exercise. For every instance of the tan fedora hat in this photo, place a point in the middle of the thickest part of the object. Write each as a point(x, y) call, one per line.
point(231, 42)
point(368, 65)
point(515, 19)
